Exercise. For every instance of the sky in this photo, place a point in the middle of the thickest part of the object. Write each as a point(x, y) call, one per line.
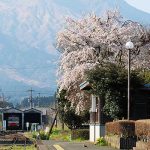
point(143, 5)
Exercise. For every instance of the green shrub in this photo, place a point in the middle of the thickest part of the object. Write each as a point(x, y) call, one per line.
point(80, 134)
point(101, 142)
point(61, 135)
point(34, 135)
point(55, 131)
point(123, 128)
point(43, 135)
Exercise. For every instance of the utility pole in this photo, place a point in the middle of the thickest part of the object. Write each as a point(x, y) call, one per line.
point(3, 97)
point(31, 105)
point(39, 100)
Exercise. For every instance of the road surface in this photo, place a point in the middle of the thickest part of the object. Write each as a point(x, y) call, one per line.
point(58, 145)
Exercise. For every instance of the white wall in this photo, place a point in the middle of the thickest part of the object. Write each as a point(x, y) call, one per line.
point(96, 131)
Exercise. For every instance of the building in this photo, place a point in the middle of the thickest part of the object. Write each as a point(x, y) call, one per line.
point(15, 119)
point(12, 119)
point(140, 109)
point(97, 123)
point(32, 116)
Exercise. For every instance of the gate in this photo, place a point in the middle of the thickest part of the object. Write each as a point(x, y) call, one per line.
point(128, 143)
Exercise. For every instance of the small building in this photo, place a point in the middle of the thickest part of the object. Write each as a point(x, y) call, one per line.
point(97, 119)
point(32, 116)
point(13, 119)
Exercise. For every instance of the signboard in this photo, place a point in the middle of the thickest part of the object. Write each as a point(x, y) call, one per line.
point(13, 121)
point(27, 125)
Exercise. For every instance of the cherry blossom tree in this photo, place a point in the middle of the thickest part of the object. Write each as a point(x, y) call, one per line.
point(95, 40)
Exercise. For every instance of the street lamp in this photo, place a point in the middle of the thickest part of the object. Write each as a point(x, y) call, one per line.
point(129, 45)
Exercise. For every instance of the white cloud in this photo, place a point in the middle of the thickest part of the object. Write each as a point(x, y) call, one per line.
point(4, 7)
point(12, 74)
point(143, 5)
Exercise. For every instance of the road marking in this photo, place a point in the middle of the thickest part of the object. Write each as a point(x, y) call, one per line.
point(58, 147)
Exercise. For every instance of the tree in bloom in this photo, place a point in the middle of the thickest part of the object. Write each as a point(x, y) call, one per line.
point(95, 40)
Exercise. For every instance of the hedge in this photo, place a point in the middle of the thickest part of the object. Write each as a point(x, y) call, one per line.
point(122, 128)
point(142, 129)
point(80, 134)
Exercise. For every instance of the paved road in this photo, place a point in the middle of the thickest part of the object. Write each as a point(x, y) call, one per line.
point(57, 145)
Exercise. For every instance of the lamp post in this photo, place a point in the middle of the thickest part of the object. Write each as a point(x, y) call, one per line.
point(129, 45)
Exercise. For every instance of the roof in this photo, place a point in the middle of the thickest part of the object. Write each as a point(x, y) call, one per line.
point(85, 86)
point(12, 110)
point(32, 110)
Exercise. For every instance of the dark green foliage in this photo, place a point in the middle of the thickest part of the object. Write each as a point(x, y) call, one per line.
point(145, 74)
point(41, 102)
point(43, 135)
point(110, 83)
point(80, 133)
point(62, 135)
point(34, 135)
point(101, 141)
point(67, 113)
point(4, 104)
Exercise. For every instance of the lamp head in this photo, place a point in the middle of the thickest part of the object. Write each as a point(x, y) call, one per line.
point(129, 45)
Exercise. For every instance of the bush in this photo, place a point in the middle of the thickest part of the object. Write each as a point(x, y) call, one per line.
point(55, 131)
point(123, 128)
point(43, 135)
point(34, 135)
point(60, 135)
point(101, 142)
point(142, 129)
point(80, 134)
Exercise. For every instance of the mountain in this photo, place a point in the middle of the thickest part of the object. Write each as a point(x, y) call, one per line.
point(28, 28)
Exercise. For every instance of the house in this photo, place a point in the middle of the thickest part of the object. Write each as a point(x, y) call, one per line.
point(140, 109)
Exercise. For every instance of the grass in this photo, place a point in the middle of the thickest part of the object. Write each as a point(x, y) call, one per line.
point(18, 147)
point(61, 135)
point(30, 136)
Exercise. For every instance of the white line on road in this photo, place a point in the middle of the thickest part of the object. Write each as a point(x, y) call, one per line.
point(58, 147)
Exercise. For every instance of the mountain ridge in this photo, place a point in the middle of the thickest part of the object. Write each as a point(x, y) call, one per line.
point(28, 33)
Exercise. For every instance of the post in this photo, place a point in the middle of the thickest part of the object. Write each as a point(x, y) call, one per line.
point(22, 121)
point(129, 45)
point(39, 100)
point(128, 85)
point(31, 97)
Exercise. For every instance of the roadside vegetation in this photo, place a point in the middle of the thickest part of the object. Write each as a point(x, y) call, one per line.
point(31, 147)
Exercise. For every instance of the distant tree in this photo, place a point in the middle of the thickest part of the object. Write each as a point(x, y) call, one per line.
point(109, 82)
point(4, 104)
point(42, 101)
point(95, 40)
